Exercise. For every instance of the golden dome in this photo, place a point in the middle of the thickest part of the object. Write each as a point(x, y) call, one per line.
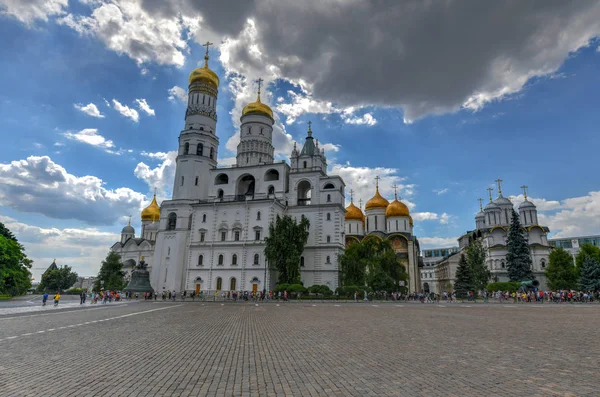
point(353, 213)
point(204, 75)
point(257, 107)
point(397, 208)
point(377, 201)
point(151, 212)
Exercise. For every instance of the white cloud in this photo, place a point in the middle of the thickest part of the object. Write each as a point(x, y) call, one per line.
point(90, 109)
point(365, 119)
point(330, 147)
point(301, 104)
point(91, 137)
point(541, 204)
point(143, 105)
point(82, 249)
point(444, 219)
point(178, 93)
point(126, 111)
point(575, 216)
point(32, 10)
point(437, 242)
point(160, 177)
point(39, 185)
point(424, 216)
point(439, 192)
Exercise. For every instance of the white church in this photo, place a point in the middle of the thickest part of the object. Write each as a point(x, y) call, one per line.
point(211, 235)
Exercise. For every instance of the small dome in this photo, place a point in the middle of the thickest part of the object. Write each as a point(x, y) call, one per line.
point(128, 230)
point(479, 215)
point(257, 108)
point(526, 204)
point(377, 201)
point(151, 212)
point(397, 208)
point(491, 206)
point(353, 213)
point(204, 75)
point(501, 200)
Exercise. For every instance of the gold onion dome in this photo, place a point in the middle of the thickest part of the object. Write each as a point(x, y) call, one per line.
point(353, 213)
point(397, 208)
point(377, 201)
point(151, 212)
point(257, 107)
point(204, 74)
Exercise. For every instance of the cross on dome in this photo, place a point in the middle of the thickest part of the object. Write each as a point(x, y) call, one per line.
point(377, 178)
point(395, 187)
point(480, 203)
point(310, 128)
point(490, 189)
point(207, 44)
point(499, 181)
point(524, 191)
point(351, 195)
point(360, 203)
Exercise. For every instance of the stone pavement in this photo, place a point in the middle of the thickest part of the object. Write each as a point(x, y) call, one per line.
point(303, 349)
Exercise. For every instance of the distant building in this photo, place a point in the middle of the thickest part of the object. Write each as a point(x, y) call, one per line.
point(573, 244)
point(429, 281)
point(445, 272)
point(85, 283)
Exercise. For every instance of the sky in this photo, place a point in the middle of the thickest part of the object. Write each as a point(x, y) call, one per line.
point(439, 98)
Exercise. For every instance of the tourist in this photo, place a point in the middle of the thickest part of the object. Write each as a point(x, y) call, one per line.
point(56, 298)
point(44, 298)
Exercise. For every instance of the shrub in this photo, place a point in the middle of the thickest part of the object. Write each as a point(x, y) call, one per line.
point(320, 290)
point(282, 287)
point(297, 288)
point(510, 286)
point(74, 291)
point(5, 297)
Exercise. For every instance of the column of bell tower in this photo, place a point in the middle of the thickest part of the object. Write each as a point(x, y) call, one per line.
point(198, 142)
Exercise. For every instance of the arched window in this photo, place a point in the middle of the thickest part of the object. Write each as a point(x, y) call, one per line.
point(200, 260)
point(232, 283)
point(182, 181)
point(329, 186)
point(203, 218)
point(502, 265)
point(172, 221)
point(271, 190)
point(190, 222)
point(301, 261)
point(272, 175)
point(328, 216)
point(256, 258)
point(543, 263)
point(328, 239)
point(220, 262)
point(219, 283)
point(304, 193)
point(186, 148)
point(196, 182)
point(222, 179)
point(212, 152)
point(305, 164)
point(199, 149)
point(258, 216)
point(328, 260)
point(220, 194)
point(234, 259)
point(329, 198)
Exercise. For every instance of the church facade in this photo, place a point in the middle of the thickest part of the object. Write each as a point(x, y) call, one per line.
point(211, 235)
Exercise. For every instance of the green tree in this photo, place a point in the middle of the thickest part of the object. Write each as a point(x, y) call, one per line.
point(589, 279)
point(518, 259)
point(6, 233)
point(561, 272)
point(353, 265)
point(57, 278)
point(15, 278)
point(463, 281)
point(476, 261)
point(111, 275)
point(284, 247)
point(586, 249)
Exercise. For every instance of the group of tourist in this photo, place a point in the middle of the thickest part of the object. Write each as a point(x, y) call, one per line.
point(560, 296)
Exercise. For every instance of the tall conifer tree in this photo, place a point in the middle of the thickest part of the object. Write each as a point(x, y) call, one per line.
point(589, 279)
point(518, 258)
point(463, 282)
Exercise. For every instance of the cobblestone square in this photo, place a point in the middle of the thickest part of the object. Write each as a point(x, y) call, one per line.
point(301, 349)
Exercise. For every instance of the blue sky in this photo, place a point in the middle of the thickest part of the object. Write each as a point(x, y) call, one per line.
point(442, 121)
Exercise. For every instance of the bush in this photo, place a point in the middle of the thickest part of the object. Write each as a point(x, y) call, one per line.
point(510, 286)
point(297, 288)
point(5, 297)
point(320, 290)
point(74, 291)
point(281, 287)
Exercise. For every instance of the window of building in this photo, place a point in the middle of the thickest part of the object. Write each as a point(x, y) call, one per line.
point(237, 236)
point(502, 265)
point(220, 262)
point(202, 237)
point(349, 228)
point(328, 259)
point(329, 198)
point(223, 236)
point(257, 235)
point(182, 181)
point(171, 221)
point(328, 216)
point(168, 251)
point(212, 152)
point(258, 216)
point(219, 283)
point(232, 284)
point(301, 261)
point(186, 148)
point(304, 164)
point(271, 190)
point(199, 149)
point(196, 182)
point(405, 228)
point(200, 260)
point(328, 239)
point(234, 260)
point(375, 222)
point(367, 225)
point(190, 222)
point(543, 263)
point(256, 258)
point(220, 194)
point(203, 218)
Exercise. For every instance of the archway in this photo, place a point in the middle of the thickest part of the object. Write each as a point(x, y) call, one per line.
point(426, 288)
point(304, 192)
point(245, 187)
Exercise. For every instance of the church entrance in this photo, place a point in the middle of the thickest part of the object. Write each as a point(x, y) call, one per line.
point(197, 289)
point(426, 288)
point(254, 288)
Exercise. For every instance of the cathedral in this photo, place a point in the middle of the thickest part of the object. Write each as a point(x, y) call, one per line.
point(492, 224)
point(211, 235)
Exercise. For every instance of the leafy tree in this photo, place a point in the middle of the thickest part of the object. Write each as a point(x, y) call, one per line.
point(111, 273)
point(463, 281)
point(379, 280)
point(6, 233)
point(353, 265)
point(284, 247)
point(518, 259)
point(590, 274)
point(15, 278)
point(57, 279)
point(561, 272)
point(586, 250)
point(476, 261)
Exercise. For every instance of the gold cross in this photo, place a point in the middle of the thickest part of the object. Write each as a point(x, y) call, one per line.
point(524, 191)
point(351, 195)
point(259, 82)
point(499, 181)
point(207, 44)
point(480, 203)
point(489, 189)
point(310, 125)
point(360, 203)
point(395, 187)
point(377, 178)
point(129, 223)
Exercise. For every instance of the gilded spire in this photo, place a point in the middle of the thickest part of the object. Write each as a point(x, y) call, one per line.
point(351, 196)
point(309, 128)
point(499, 182)
point(480, 204)
point(360, 204)
point(395, 187)
point(490, 189)
point(259, 82)
point(206, 57)
point(524, 191)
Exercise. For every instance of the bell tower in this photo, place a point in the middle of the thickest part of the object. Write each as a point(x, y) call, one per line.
point(198, 142)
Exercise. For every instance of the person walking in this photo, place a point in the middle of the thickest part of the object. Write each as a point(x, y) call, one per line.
point(56, 298)
point(44, 298)
point(81, 298)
